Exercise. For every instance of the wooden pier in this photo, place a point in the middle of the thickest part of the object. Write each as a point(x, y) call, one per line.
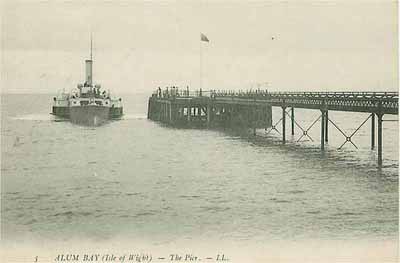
point(253, 110)
point(200, 111)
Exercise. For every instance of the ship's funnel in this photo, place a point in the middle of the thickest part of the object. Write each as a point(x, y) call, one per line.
point(89, 72)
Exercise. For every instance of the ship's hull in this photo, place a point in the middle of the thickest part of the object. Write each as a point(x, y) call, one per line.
point(115, 113)
point(89, 115)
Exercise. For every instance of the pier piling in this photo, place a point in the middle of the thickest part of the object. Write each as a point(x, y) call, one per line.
point(292, 118)
point(326, 126)
point(380, 139)
point(322, 129)
point(283, 124)
point(372, 131)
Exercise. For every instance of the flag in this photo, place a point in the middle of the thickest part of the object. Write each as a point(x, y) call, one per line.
point(203, 38)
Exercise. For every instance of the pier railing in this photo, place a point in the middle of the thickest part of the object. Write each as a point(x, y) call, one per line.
point(373, 102)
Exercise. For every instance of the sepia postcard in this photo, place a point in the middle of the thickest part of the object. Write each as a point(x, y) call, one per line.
point(218, 131)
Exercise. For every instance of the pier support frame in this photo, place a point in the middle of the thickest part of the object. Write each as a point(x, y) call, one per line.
point(323, 123)
point(372, 131)
point(253, 122)
point(292, 119)
point(283, 124)
point(170, 112)
point(380, 116)
point(326, 126)
point(189, 113)
point(209, 109)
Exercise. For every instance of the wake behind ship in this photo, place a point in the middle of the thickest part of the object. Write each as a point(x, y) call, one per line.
point(88, 104)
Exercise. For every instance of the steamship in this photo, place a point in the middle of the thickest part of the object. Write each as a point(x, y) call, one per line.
point(88, 104)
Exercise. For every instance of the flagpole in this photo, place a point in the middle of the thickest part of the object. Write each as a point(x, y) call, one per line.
point(201, 64)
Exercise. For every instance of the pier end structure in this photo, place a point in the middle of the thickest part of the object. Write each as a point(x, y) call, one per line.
point(209, 112)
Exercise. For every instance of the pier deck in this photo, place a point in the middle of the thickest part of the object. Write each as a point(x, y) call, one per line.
point(254, 110)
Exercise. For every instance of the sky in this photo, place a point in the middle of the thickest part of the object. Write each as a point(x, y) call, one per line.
point(282, 45)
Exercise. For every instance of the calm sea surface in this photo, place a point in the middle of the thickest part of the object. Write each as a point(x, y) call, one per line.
point(138, 179)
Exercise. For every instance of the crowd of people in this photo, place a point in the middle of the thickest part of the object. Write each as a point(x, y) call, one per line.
point(174, 91)
point(239, 93)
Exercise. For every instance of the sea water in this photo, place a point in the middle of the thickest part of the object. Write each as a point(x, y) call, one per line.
point(138, 179)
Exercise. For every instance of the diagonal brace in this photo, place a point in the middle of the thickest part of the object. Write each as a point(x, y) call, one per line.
point(273, 127)
point(348, 138)
point(305, 133)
